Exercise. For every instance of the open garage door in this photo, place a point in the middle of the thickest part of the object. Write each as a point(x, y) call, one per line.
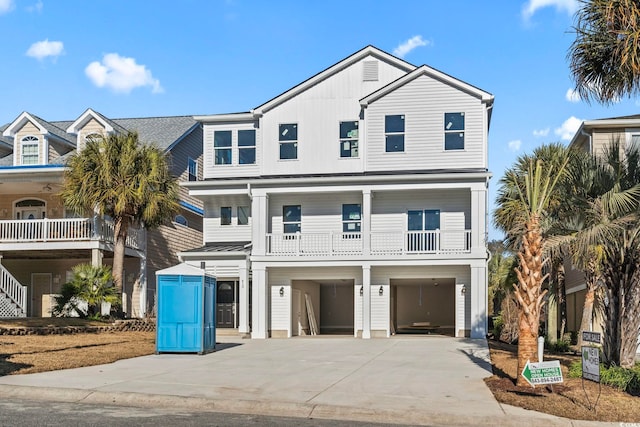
point(423, 306)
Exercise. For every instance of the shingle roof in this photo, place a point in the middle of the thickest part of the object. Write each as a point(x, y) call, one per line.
point(160, 131)
point(7, 160)
point(55, 130)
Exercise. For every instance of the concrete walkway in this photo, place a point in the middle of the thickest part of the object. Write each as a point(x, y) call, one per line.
point(412, 380)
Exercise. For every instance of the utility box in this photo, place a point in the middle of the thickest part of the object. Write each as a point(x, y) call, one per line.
point(186, 321)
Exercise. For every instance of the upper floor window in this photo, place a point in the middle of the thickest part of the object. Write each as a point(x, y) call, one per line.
point(93, 136)
point(222, 147)
point(349, 139)
point(225, 215)
point(351, 217)
point(246, 147)
point(454, 131)
point(288, 137)
point(243, 215)
point(179, 219)
point(291, 218)
point(192, 167)
point(394, 133)
point(29, 150)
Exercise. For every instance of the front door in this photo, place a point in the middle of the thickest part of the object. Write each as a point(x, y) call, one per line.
point(225, 305)
point(41, 295)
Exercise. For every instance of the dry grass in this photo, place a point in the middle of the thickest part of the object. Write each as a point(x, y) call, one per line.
point(26, 354)
point(568, 399)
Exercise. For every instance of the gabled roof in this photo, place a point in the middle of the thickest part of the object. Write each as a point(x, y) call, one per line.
point(43, 126)
point(612, 122)
point(425, 70)
point(323, 75)
point(89, 114)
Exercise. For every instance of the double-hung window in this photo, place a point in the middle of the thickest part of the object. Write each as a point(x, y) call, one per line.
point(288, 138)
point(192, 166)
point(394, 133)
point(291, 218)
point(222, 147)
point(349, 139)
point(29, 150)
point(246, 147)
point(351, 218)
point(454, 131)
point(225, 215)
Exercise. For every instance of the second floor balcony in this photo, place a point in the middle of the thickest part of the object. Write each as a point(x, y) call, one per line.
point(16, 232)
point(431, 242)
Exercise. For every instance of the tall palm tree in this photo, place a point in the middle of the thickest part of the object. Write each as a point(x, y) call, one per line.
point(525, 197)
point(604, 57)
point(124, 179)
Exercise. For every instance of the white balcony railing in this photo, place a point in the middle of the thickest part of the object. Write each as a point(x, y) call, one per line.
point(63, 230)
point(345, 244)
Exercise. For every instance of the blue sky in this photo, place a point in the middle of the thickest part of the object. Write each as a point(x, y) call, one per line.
point(135, 58)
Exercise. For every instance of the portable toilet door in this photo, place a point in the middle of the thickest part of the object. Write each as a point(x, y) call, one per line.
point(186, 310)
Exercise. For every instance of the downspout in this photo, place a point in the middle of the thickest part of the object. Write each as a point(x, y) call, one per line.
point(588, 135)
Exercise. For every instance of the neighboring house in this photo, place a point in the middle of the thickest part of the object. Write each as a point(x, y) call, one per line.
point(594, 136)
point(355, 203)
point(40, 241)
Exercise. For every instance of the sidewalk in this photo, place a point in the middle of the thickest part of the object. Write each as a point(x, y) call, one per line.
point(412, 380)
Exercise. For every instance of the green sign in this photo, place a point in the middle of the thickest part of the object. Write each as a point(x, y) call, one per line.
point(542, 373)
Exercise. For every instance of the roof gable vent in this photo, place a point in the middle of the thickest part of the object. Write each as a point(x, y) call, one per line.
point(370, 71)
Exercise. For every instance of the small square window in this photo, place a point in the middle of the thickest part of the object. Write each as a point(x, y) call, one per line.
point(225, 215)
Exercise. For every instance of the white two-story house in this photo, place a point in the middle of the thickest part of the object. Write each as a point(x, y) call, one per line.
point(353, 203)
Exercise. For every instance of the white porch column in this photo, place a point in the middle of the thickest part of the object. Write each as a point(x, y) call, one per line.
point(243, 299)
point(478, 291)
point(366, 222)
point(366, 301)
point(260, 306)
point(96, 257)
point(259, 218)
point(478, 218)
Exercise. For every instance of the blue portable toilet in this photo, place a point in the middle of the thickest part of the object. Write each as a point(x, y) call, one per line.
point(186, 321)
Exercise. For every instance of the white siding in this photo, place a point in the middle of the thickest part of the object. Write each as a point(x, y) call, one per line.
point(213, 231)
point(222, 268)
point(380, 314)
point(281, 308)
point(318, 111)
point(423, 102)
point(279, 276)
point(211, 170)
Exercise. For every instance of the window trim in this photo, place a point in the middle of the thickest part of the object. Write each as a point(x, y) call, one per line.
point(191, 161)
point(181, 220)
point(221, 148)
point(30, 141)
point(454, 131)
point(348, 140)
point(282, 142)
point(247, 147)
point(247, 210)
point(285, 222)
point(347, 221)
point(403, 133)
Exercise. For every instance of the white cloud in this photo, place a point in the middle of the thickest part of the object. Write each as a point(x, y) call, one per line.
point(568, 128)
point(532, 6)
point(541, 132)
point(409, 45)
point(121, 74)
point(36, 7)
point(572, 95)
point(514, 145)
point(44, 48)
point(6, 6)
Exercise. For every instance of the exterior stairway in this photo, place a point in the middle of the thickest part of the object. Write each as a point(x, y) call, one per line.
point(13, 296)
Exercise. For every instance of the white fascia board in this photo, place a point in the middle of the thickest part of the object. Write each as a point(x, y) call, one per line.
point(406, 261)
point(425, 70)
point(234, 117)
point(211, 256)
point(84, 118)
point(219, 192)
point(372, 188)
point(33, 173)
point(336, 68)
point(13, 128)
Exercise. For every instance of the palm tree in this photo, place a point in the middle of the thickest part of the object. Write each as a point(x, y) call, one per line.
point(525, 197)
point(124, 179)
point(90, 284)
point(604, 58)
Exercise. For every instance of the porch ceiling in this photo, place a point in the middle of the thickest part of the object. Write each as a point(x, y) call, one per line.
point(424, 281)
point(50, 254)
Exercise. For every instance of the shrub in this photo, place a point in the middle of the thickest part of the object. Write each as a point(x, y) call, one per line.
point(560, 346)
point(627, 380)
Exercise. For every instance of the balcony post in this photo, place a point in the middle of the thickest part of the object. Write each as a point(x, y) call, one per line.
point(478, 218)
point(365, 226)
point(366, 301)
point(259, 214)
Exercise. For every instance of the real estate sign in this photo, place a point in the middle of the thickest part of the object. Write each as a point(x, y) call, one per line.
point(591, 363)
point(542, 373)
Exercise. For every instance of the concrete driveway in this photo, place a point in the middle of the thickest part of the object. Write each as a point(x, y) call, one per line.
point(413, 380)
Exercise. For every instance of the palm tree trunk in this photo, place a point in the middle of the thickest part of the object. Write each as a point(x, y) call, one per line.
point(591, 281)
point(562, 298)
point(121, 229)
point(529, 295)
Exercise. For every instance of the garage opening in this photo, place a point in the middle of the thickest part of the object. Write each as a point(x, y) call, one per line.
point(331, 302)
point(423, 306)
